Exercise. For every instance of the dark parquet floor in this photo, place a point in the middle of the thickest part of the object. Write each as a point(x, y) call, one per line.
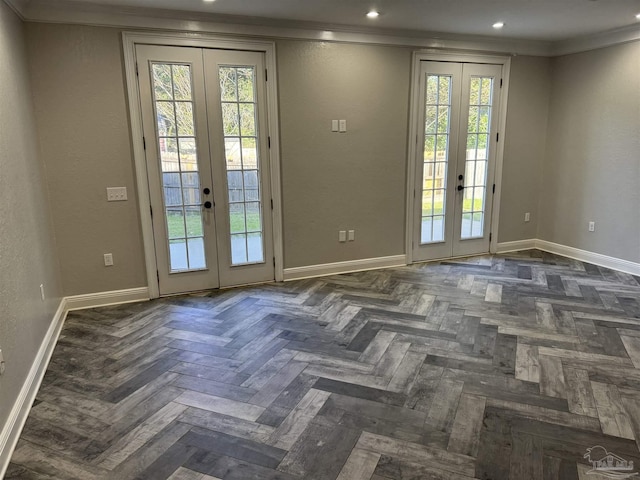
point(495, 367)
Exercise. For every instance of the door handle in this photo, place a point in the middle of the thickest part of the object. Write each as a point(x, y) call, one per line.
point(460, 188)
point(207, 204)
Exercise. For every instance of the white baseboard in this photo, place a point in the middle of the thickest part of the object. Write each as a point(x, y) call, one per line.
point(11, 431)
point(590, 257)
point(571, 252)
point(102, 299)
point(350, 266)
point(505, 247)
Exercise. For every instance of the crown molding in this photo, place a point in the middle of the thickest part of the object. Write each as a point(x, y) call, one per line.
point(599, 40)
point(18, 6)
point(73, 12)
point(70, 12)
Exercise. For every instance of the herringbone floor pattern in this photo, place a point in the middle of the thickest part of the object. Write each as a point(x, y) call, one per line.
point(496, 367)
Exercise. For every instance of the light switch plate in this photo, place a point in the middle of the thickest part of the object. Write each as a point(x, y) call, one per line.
point(116, 194)
point(343, 126)
point(334, 125)
point(342, 236)
point(351, 235)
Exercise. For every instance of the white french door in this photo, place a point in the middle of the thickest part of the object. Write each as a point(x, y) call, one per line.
point(204, 122)
point(455, 159)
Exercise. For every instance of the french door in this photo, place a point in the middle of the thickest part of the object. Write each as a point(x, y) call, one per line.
point(204, 122)
point(455, 159)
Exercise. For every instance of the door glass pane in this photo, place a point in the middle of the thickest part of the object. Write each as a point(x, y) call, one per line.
point(239, 122)
point(437, 128)
point(479, 124)
point(173, 102)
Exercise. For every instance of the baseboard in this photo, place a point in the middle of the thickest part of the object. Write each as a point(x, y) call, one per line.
point(350, 266)
point(590, 257)
point(102, 299)
point(505, 247)
point(18, 416)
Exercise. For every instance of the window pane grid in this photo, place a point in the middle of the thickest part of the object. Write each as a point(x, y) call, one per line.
point(435, 157)
point(238, 100)
point(477, 156)
point(178, 159)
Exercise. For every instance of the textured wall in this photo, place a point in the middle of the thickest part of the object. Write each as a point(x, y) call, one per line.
point(524, 147)
point(331, 181)
point(340, 181)
point(27, 251)
point(79, 94)
point(592, 165)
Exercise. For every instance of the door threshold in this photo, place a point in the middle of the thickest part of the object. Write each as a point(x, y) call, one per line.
point(219, 289)
point(444, 259)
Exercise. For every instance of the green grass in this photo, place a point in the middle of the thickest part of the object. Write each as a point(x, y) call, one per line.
point(253, 222)
point(194, 225)
point(438, 207)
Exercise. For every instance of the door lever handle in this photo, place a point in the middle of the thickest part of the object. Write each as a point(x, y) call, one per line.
point(207, 204)
point(460, 188)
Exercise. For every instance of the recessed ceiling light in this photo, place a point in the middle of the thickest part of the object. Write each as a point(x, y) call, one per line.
point(373, 14)
point(209, 1)
point(498, 25)
point(638, 16)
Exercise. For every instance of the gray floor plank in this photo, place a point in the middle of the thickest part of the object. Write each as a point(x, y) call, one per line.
point(488, 367)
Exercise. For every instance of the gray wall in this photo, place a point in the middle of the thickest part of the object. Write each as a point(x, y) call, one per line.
point(524, 146)
point(79, 95)
point(343, 181)
point(592, 163)
point(331, 181)
point(27, 250)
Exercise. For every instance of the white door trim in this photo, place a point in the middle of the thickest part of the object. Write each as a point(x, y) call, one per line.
point(415, 98)
point(129, 40)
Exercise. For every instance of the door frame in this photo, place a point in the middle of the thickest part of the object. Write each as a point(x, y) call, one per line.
point(414, 131)
point(129, 42)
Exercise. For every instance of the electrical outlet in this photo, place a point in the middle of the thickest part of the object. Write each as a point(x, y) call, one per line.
point(42, 292)
point(2, 364)
point(592, 226)
point(351, 235)
point(342, 236)
point(108, 259)
point(116, 194)
point(527, 217)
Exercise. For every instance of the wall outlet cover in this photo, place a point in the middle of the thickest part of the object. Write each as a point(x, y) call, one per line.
point(116, 194)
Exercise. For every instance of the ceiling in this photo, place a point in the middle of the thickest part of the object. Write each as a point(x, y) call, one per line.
point(544, 20)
